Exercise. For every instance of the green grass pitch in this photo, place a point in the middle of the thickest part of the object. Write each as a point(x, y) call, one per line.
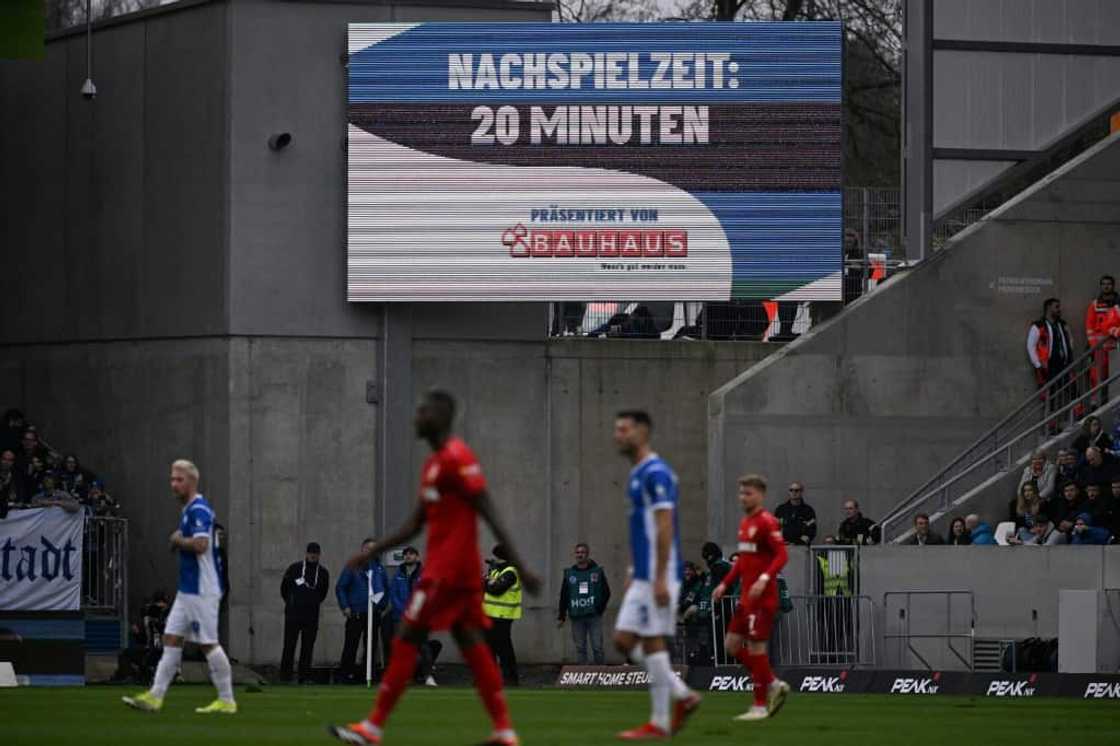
point(94, 716)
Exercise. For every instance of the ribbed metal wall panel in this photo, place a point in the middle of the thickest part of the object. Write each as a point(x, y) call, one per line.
point(665, 178)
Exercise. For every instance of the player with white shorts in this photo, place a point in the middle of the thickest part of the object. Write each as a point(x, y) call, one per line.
point(194, 618)
point(648, 613)
point(194, 615)
point(641, 615)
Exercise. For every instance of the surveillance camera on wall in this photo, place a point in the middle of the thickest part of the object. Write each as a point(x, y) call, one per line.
point(280, 140)
point(89, 90)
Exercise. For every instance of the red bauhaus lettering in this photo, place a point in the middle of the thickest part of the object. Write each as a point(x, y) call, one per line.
point(628, 244)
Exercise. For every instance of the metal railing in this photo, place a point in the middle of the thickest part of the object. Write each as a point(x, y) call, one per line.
point(738, 320)
point(872, 219)
point(731, 320)
point(906, 637)
point(105, 566)
point(820, 630)
point(1059, 404)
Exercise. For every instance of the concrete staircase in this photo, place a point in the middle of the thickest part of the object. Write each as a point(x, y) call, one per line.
point(872, 402)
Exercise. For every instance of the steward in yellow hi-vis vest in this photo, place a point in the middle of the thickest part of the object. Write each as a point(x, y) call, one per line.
point(834, 573)
point(502, 603)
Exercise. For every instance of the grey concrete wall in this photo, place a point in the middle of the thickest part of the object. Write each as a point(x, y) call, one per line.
point(115, 208)
point(1015, 591)
point(874, 402)
point(287, 444)
point(540, 417)
point(1014, 101)
point(161, 195)
point(288, 209)
point(302, 468)
point(129, 409)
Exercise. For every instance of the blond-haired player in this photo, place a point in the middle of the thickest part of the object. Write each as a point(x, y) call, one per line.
point(194, 615)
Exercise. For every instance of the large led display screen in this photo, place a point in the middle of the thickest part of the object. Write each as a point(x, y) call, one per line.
point(534, 161)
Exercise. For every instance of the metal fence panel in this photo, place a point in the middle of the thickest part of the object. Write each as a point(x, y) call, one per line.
point(935, 628)
point(822, 631)
point(105, 566)
point(872, 252)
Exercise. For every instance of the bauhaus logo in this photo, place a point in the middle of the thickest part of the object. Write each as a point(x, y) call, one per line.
point(1102, 690)
point(824, 684)
point(595, 243)
point(917, 685)
point(1012, 688)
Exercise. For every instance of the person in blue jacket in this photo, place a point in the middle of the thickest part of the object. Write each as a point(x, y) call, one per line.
point(353, 592)
point(1084, 532)
point(400, 589)
point(980, 532)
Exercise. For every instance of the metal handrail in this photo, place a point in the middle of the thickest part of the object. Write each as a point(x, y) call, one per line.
point(1058, 385)
point(1006, 448)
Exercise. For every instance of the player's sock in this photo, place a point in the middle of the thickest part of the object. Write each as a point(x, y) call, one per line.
point(402, 664)
point(660, 661)
point(488, 682)
point(166, 670)
point(659, 690)
point(761, 676)
point(221, 673)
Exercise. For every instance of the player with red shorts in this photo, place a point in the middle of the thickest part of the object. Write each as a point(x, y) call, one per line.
point(762, 555)
point(449, 593)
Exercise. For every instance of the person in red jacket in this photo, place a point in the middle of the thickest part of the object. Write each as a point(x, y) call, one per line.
point(1100, 317)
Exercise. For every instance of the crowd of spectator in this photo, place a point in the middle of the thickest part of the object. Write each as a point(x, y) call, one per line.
point(1074, 499)
point(35, 475)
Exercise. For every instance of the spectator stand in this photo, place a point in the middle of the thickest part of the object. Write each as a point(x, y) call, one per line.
point(871, 253)
point(104, 558)
point(1048, 418)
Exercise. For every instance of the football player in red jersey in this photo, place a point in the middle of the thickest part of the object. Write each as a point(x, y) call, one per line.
point(762, 554)
point(449, 593)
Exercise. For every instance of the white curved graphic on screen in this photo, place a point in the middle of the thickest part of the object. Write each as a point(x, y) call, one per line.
point(427, 227)
point(368, 34)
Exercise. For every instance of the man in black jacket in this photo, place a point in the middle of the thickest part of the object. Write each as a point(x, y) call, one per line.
point(1099, 468)
point(797, 517)
point(856, 528)
point(718, 568)
point(922, 535)
point(303, 589)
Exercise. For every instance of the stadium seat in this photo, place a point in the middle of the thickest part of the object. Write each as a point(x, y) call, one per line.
point(662, 313)
point(1002, 531)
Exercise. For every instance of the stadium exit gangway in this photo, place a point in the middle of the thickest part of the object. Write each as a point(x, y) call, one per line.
point(1059, 406)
